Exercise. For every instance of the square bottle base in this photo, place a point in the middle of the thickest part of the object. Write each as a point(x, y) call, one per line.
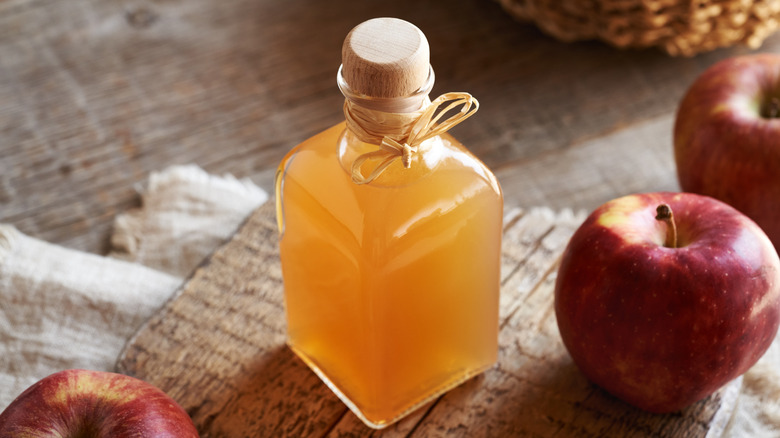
point(381, 424)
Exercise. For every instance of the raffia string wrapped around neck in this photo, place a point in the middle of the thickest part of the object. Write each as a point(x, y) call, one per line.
point(400, 135)
point(386, 77)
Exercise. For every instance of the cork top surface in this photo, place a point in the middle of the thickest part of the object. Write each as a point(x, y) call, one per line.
point(385, 57)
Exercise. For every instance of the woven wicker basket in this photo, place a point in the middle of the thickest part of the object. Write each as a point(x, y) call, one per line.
point(679, 27)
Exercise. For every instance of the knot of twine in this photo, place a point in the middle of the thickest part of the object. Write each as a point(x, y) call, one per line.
point(400, 135)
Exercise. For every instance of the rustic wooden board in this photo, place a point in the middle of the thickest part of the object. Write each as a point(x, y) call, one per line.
point(218, 348)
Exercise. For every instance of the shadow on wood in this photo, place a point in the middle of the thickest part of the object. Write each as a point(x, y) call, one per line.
point(274, 399)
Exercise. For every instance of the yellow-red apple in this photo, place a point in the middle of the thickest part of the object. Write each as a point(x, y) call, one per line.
point(662, 312)
point(96, 404)
point(727, 137)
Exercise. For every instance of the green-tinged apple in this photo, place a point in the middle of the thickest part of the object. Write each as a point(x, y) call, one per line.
point(727, 137)
point(662, 298)
point(94, 404)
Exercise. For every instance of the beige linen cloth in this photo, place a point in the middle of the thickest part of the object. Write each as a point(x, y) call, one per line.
point(61, 308)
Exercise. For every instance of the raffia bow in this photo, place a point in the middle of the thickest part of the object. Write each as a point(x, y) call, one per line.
point(383, 128)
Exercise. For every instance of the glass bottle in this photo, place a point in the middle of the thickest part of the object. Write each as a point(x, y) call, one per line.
point(390, 251)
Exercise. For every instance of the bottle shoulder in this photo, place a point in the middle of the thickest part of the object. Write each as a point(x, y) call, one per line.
point(444, 179)
point(461, 155)
point(322, 140)
point(441, 158)
point(438, 157)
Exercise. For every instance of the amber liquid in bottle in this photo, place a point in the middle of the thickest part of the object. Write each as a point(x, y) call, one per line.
point(391, 287)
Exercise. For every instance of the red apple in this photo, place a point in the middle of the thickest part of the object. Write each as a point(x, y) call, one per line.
point(727, 137)
point(82, 403)
point(662, 325)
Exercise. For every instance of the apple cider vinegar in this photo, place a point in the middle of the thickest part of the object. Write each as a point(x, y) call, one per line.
point(390, 253)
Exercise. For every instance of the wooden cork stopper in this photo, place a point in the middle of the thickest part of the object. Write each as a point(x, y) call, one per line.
point(385, 57)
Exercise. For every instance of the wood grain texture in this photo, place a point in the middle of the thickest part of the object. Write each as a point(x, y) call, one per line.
point(95, 94)
point(218, 348)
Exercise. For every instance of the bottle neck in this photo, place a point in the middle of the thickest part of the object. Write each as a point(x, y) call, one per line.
point(399, 135)
point(401, 104)
point(379, 122)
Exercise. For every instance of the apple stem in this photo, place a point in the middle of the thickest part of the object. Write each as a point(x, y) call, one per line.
point(664, 213)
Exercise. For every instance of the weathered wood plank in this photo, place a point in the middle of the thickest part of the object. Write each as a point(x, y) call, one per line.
point(218, 349)
point(95, 94)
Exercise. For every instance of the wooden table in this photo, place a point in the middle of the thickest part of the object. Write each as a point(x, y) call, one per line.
point(95, 94)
